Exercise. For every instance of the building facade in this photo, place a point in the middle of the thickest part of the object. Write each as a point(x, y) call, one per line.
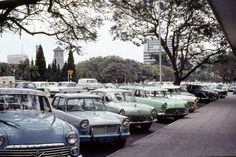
point(59, 56)
point(16, 58)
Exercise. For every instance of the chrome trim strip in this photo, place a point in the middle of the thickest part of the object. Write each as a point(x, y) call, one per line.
point(34, 145)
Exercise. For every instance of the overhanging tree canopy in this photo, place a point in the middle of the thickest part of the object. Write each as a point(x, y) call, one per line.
point(70, 21)
point(195, 35)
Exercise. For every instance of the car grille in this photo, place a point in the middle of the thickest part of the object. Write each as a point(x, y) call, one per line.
point(105, 129)
point(190, 104)
point(137, 119)
point(36, 151)
point(175, 111)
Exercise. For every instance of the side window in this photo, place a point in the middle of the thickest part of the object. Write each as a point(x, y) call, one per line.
point(44, 104)
point(55, 102)
point(61, 104)
point(89, 104)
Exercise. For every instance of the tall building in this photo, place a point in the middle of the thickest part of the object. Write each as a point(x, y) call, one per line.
point(152, 46)
point(59, 56)
point(16, 58)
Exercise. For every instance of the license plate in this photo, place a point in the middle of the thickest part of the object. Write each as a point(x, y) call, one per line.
point(105, 140)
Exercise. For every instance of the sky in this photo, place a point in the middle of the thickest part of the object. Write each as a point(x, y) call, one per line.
point(104, 46)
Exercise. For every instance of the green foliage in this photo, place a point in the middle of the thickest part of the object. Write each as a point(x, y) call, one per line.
point(71, 66)
point(6, 70)
point(40, 63)
point(64, 76)
point(117, 70)
point(224, 67)
point(69, 21)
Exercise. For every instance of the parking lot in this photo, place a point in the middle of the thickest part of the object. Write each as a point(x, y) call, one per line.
point(102, 150)
point(210, 131)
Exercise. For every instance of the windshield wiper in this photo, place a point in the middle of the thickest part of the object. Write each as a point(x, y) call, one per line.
point(9, 123)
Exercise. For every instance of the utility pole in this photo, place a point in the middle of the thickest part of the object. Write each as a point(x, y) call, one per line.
point(159, 31)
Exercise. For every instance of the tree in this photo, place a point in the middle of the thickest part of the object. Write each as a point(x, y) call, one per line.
point(33, 71)
point(115, 69)
point(68, 21)
point(64, 76)
point(195, 35)
point(6, 70)
point(224, 67)
point(71, 66)
point(22, 70)
point(54, 72)
point(40, 62)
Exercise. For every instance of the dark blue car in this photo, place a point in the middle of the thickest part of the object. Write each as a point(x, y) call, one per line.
point(29, 128)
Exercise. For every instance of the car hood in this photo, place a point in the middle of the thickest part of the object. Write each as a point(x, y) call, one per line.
point(99, 117)
point(31, 127)
point(172, 103)
point(134, 108)
point(187, 98)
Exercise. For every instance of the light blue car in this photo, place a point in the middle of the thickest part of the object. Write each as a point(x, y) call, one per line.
point(89, 115)
point(29, 128)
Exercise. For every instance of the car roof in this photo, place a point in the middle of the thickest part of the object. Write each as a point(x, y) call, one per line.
point(144, 87)
point(110, 90)
point(78, 95)
point(21, 91)
point(170, 87)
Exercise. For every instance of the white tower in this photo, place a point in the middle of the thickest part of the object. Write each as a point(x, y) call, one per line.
point(59, 56)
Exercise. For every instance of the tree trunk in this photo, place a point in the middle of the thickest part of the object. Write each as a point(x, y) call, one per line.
point(177, 80)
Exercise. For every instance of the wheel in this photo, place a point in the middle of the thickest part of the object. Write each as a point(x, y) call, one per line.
point(191, 110)
point(120, 142)
point(146, 126)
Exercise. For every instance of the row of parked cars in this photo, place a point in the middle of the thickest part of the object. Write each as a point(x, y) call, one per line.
point(31, 125)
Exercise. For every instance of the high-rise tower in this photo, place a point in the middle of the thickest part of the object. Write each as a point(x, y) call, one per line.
point(59, 56)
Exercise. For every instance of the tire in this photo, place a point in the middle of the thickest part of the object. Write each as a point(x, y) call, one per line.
point(191, 110)
point(120, 143)
point(146, 126)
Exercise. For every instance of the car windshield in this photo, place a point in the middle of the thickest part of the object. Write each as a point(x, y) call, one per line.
point(173, 91)
point(24, 102)
point(85, 104)
point(67, 84)
point(155, 93)
point(120, 96)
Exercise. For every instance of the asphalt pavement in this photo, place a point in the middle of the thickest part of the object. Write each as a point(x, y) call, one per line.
point(210, 131)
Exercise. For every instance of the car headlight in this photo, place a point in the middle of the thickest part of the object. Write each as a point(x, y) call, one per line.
point(1, 139)
point(72, 137)
point(125, 122)
point(154, 112)
point(186, 105)
point(122, 112)
point(84, 124)
point(164, 106)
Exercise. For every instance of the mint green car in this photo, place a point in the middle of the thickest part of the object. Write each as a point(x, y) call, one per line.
point(154, 96)
point(116, 101)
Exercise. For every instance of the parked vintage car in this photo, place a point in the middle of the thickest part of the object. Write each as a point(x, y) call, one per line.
point(154, 96)
point(24, 84)
point(222, 93)
point(89, 83)
point(41, 85)
point(29, 128)
point(173, 92)
point(202, 92)
point(63, 87)
point(89, 115)
point(115, 100)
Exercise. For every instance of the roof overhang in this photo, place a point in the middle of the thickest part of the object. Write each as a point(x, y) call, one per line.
point(225, 12)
